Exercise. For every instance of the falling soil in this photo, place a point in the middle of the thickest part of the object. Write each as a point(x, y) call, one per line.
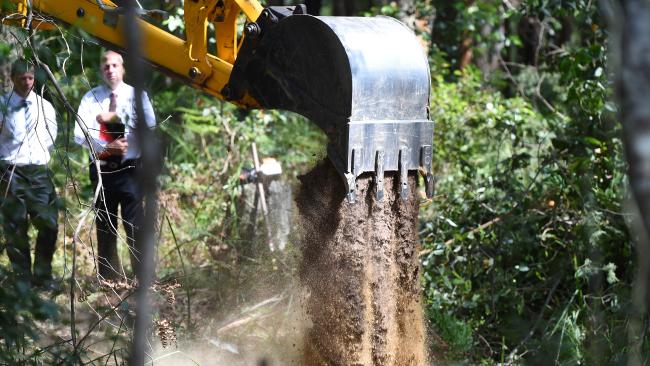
point(361, 272)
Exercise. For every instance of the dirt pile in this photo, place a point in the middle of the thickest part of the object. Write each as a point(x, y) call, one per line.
point(361, 271)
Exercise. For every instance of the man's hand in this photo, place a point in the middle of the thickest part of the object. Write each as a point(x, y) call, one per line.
point(107, 117)
point(117, 147)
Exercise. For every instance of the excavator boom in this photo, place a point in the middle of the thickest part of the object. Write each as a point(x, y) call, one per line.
point(364, 81)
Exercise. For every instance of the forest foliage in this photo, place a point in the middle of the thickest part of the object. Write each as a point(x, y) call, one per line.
point(527, 255)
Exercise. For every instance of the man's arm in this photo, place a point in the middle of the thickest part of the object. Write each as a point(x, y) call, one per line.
point(117, 147)
point(6, 127)
point(108, 117)
point(47, 132)
point(149, 114)
point(8, 140)
point(4, 110)
point(88, 118)
point(130, 117)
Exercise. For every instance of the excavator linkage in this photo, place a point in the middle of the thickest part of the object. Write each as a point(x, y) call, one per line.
point(364, 81)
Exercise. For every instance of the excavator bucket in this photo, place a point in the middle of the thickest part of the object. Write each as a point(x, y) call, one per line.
point(364, 81)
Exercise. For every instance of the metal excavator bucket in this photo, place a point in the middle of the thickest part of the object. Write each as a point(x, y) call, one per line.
point(364, 81)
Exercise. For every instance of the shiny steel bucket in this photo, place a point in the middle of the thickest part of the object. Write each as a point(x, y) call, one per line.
point(364, 81)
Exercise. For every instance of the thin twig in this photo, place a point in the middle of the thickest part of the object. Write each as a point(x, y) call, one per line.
point(483, 226)
point(98, 321)
point(187, 291)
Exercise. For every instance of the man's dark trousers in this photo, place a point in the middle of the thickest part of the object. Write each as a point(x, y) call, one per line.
point(121, 188)
point(27, 192)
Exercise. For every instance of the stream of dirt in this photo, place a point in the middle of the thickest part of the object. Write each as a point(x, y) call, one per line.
point(361, 272)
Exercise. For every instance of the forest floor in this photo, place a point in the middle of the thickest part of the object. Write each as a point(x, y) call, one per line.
point(203, 333)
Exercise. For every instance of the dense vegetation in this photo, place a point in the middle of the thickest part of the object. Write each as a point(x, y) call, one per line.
point(530, 256)
point(527, 253)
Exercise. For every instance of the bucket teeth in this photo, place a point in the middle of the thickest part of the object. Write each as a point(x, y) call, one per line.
point(357, 161)
point(426, 163)
point(429, 185)
point(351, 178)
point(377, 147)
point(379, 174)
point(403, 174)
point(351, 188)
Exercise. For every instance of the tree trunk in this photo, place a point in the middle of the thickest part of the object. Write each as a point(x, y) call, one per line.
point(631, 33)
point(313, 6)
point(530, 33)
point(345, 8)
point(489, 61)
point(466, 53)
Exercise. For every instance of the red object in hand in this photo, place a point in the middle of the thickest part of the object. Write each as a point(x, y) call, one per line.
point(104, 133)
point(104, 155)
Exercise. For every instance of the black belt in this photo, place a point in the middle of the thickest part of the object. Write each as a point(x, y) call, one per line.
point(108, 165)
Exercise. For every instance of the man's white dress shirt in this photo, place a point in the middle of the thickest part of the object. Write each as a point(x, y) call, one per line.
point(97, 101)
point(26, 142)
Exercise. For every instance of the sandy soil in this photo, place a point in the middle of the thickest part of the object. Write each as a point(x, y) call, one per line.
point(361, 272)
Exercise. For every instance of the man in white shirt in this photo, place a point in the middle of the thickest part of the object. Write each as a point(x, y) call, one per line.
point(109, 114)
point(27, 133)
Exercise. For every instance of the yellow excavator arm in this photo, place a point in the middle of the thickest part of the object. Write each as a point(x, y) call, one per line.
point(364, 81)
point(187, 59)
